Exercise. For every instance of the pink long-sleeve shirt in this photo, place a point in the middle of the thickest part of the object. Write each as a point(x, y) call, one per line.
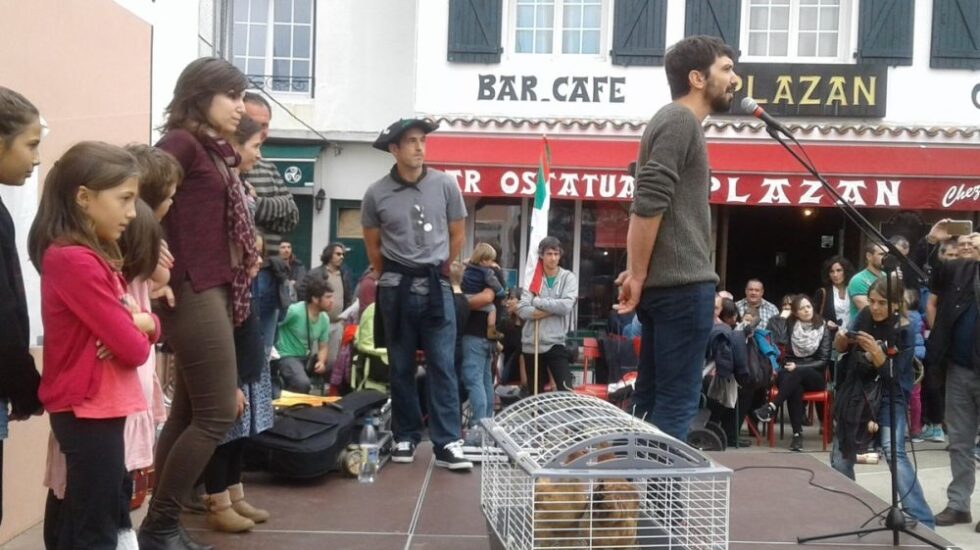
point(81, 303)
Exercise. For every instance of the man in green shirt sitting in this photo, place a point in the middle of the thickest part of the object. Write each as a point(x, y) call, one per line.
point(304, 329)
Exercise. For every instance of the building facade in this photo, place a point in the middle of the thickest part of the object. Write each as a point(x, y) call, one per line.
point(883, 94)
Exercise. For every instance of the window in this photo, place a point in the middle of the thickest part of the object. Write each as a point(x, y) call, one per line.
point(810, 29)
point(498, 222)
point(578, 24)
point(272, 41)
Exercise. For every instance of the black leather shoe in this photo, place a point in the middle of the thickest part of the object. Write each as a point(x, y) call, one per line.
point(151, 538)
point(947, 517)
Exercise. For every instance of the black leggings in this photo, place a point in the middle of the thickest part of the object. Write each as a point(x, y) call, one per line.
point(555, 360)
point(792, 385)
point(98, 490)
point(225, 467)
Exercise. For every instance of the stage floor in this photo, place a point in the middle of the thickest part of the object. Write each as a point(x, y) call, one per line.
point(419, 506)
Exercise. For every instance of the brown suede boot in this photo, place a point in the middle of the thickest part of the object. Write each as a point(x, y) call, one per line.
point(222, 517)
point(244, 509)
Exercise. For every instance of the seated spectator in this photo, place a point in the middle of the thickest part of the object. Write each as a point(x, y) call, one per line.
point(303, 337)
point(727, 349)
point(803, 366)
point(777, 324)
point(754, 310)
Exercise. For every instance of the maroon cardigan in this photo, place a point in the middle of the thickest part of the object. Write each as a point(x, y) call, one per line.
point(196, 225)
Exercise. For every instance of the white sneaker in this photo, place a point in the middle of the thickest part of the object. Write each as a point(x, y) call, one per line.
point(404, 452)
point(451, 457)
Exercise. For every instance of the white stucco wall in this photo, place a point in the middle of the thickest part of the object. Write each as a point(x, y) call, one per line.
point(916, 95)
point(175, 44)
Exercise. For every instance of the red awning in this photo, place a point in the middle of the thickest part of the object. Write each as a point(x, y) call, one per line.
point(888, 175)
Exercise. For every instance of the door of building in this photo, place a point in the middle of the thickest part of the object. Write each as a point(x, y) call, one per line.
point(296, 164)
point(345, 228)
point(784, 247)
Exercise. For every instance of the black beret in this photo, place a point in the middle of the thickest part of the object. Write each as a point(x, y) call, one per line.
point(393, 133)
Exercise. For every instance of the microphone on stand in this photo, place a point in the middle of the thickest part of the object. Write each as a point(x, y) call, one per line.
point(750, 107)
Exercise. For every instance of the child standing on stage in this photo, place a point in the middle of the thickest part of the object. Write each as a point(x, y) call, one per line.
point(20, 134)
point(96, 335)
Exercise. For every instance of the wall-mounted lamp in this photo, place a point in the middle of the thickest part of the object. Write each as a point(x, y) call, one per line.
point(319, 199)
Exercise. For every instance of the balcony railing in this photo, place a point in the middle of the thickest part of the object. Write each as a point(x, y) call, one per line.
point(278, 83)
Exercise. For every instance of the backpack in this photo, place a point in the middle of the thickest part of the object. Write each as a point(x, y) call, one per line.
point(761, 359)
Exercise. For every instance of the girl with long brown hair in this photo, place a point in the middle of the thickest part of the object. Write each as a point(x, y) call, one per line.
point(210, 235)
point(97, 336)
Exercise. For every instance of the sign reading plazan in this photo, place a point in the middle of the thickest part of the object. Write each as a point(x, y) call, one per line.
point(752, 189)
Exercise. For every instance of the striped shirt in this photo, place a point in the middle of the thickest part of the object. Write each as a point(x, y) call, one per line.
point(275, 210)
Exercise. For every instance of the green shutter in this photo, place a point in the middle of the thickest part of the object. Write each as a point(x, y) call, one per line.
point(885, 31)
point(639, 27)
point(955, 34)
point(719, 18)
point(474, 31)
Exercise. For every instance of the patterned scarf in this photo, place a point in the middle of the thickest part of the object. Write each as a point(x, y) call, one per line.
point(805, 338)
point(241, 230)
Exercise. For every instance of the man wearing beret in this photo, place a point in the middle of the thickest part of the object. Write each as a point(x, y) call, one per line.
point(413, 220)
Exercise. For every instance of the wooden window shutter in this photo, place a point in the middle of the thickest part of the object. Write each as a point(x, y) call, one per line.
point(955, 34)
point(885, 30)
point(639, 28)
point(474, 31)
point(719, 18)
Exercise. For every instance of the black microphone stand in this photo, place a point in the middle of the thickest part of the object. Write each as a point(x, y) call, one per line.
point(895, 520)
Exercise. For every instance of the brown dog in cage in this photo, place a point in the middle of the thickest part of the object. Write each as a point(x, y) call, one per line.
point(558, 508)
point(565, 512)
point(610, 521)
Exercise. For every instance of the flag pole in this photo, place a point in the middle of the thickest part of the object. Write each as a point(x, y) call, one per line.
point(537, 323)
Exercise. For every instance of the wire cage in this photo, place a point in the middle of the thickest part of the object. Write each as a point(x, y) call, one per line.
point(562, 470)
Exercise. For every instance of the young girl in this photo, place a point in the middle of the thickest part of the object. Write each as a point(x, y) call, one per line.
point(227, 509)
point(140, 246)
point(20, 134)
point(96, 336)
point(161, 174)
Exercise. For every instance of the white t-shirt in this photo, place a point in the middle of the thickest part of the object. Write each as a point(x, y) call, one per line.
point(842, 307)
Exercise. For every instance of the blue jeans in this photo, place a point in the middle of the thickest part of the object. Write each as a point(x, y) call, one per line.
point(676, 323)
point(437, 338)
point(265, 303)
point(909, 490)
point(477, 377)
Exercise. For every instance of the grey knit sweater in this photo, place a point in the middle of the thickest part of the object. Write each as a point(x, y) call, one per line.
point(673, 180)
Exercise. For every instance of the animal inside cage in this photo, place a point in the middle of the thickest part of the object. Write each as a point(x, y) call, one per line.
point(562, 470)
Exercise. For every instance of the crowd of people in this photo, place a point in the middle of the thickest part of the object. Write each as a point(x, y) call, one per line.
point(845, 334)
point(182, 243)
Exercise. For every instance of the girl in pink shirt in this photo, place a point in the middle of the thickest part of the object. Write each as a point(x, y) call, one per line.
point(95, 335)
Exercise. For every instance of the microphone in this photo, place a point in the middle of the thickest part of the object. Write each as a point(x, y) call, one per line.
point(752, 108)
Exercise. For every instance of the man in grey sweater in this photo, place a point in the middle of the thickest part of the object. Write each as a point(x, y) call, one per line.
point(550, 311)
point(670, 280)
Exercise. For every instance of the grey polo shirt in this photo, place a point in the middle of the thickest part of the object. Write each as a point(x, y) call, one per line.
point(414, 219)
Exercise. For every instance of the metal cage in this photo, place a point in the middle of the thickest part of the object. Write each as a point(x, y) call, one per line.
point(562, 470)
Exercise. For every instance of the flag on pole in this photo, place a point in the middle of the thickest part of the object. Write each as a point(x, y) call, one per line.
point(533, 268)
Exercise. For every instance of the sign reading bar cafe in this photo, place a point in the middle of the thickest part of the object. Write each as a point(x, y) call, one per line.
point(815, 90)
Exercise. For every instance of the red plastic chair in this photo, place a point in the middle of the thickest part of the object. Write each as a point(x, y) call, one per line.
point(810, 400)
point(590, 353)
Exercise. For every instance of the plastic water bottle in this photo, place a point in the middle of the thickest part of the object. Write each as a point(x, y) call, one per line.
point(369, 452)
